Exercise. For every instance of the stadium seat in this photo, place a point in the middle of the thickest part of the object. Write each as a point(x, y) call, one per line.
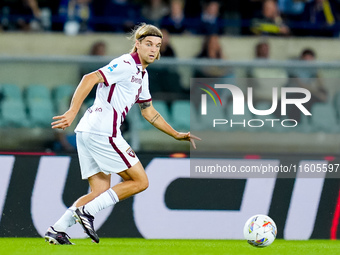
point(10, 91)
point(41, 112)
point(163, 109)
point(269, 126)
point(134, 117)
point(62, 96)
point(305, 124)
point(64, 91)
point(324, 118)
point(13, 113)
point(336, 100)
point(239, 119)
point(37, 92)
point(213, 112)
point(195, 119)
point(181, 114)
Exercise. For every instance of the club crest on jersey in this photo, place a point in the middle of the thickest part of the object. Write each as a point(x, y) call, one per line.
point(112, 67)
point(131, 152)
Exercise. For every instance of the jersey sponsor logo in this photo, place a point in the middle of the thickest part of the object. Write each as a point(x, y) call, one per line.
point(127, 62)
point(131, 152)
point(136, 80)
point(112, 67)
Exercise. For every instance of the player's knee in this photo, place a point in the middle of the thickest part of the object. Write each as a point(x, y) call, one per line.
point(143, 185)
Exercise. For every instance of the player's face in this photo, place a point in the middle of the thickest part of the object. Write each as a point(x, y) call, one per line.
point(148, 49)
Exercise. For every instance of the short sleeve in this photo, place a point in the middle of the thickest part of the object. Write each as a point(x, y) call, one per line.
point(145, 95)
point(114, 72)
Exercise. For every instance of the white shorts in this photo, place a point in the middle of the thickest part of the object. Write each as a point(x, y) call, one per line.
point(99, 153)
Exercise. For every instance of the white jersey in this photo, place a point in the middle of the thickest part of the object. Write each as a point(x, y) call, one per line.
point(124, 85)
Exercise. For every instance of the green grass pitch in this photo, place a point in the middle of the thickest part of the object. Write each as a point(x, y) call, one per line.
point(136, 246)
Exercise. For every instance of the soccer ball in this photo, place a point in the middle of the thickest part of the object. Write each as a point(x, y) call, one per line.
point(260, 230)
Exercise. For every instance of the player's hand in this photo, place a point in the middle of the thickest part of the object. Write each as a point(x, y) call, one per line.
point(63, 121)
point(188, 137)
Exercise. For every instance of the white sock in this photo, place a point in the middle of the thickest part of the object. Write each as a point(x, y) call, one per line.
point(101, 202)
point(65, 221)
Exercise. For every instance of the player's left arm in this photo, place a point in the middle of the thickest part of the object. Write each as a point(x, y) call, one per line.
point(153, 116)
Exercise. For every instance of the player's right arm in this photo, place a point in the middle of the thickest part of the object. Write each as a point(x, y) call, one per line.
point(153, 116)
point(83, 89)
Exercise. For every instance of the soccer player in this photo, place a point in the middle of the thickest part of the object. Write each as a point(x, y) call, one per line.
point(101, 148)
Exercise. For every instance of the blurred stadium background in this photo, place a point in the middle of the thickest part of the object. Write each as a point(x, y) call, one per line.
point(46, 47)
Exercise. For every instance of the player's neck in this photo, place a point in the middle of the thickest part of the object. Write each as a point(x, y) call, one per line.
point(139, 60)
point(144, 64)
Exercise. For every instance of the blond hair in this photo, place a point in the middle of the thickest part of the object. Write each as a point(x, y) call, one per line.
point(142, 31)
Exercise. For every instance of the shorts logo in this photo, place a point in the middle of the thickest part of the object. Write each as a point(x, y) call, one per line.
point(131, 152)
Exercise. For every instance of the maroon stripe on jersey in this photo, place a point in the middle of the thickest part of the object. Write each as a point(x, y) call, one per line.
point(111, 92)
point(105, 80)
point(124, 113)
point(143, 101)
point(114, 128)
point(114, 146)
point(135, 57)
